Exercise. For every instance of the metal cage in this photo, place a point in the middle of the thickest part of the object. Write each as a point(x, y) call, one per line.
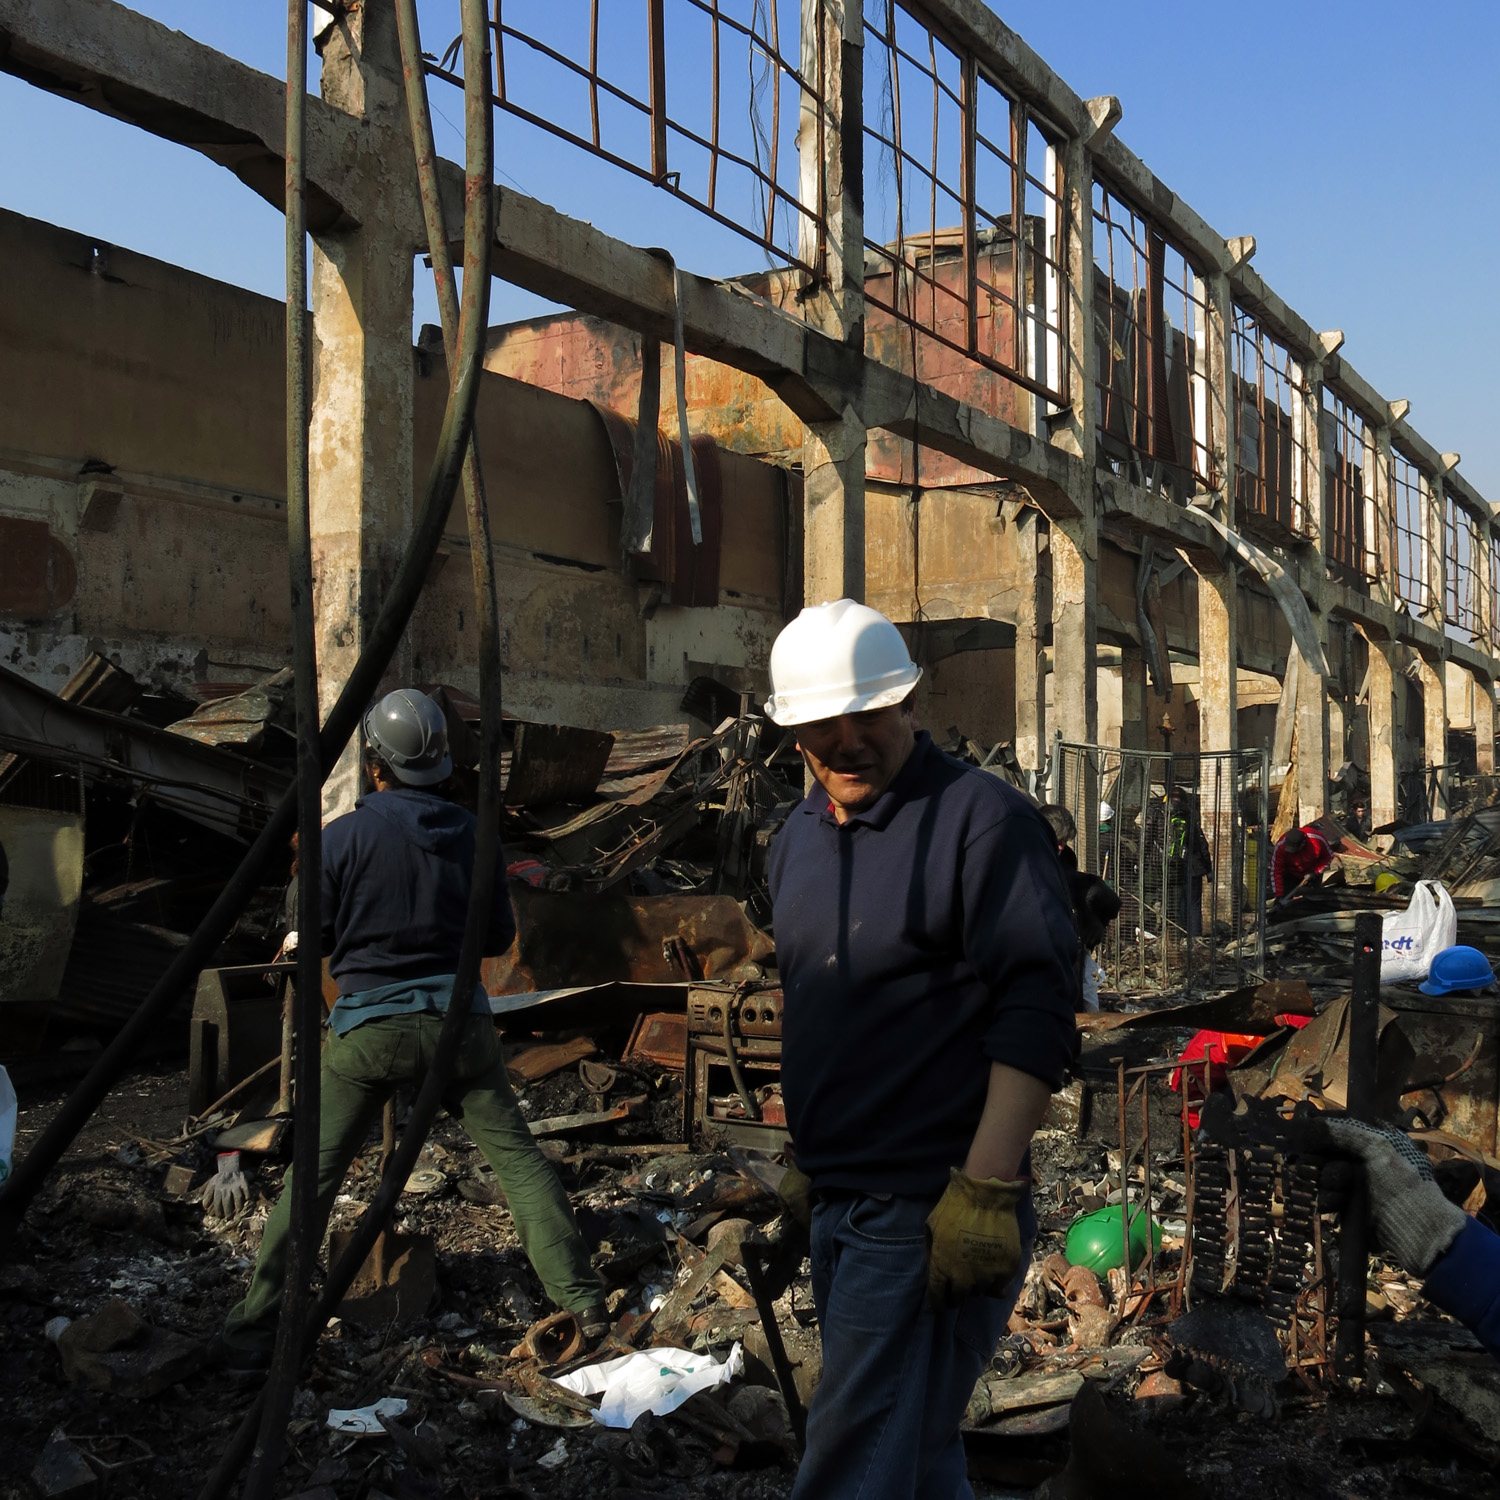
point(1184, 843)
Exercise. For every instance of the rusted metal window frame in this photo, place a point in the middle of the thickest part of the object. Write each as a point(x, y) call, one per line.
point(1411, 511)
point(1154, 418)
point(1352, 519)
point(1036, 321)
point(1464, 605)
point(772, 195)
point(1254, 502)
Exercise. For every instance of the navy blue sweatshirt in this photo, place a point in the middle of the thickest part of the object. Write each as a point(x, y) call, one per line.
point(923, 939)
point(396, 875)
point(1465, 1281)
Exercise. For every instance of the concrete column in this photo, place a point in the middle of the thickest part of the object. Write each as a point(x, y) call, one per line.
point(1484, 725)
point(1434, 680)
point(1382, 494)
point(1435, 553)
point(1312, 691)
point(1031, 685)
point(1218, 726)
point(833, 453)
point(1133, 727)
point(1382, 737)
point(1074, 552)
point(360, 448)
point(1074, 542)
point(1312, 743)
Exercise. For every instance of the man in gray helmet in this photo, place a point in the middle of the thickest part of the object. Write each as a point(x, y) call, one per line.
point(396, 877)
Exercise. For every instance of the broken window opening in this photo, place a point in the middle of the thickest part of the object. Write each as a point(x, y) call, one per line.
point(1351, 545)
point(1152, 410)
point(1411, 508)
point(965, 231)
point(698, 97)
point(1270, 399)
point(1464, 607)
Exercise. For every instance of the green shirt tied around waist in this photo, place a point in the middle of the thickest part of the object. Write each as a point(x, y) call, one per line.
point(403, 998)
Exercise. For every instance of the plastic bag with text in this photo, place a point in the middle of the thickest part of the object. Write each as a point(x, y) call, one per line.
point(1411, 939)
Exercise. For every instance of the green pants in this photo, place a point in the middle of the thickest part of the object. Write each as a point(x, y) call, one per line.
point(360, 1071)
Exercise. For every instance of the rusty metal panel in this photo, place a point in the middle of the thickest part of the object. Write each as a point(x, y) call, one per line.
point(555, 763)
point(1457, 1065)
point(659, 1040)
point(578, 938)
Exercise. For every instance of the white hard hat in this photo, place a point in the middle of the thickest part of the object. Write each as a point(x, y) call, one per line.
point(839, 658)
point(1106, 813)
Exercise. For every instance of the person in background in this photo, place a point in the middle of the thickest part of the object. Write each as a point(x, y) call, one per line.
point(395, 895)
point(1300, 857)
point(1189, 859)
point(1095, 903)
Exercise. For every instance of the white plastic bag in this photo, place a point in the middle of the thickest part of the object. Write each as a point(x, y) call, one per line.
point(7, 1123)
point(654, 1380)
point(1411, 939)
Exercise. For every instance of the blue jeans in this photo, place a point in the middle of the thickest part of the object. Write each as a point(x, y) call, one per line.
point(896, 1377)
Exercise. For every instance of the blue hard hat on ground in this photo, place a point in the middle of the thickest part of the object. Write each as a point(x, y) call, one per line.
point(1457, 968)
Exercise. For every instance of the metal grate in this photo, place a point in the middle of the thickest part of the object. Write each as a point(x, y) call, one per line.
point(1464, 606)
point(704, 98)
point(1411, 508)
point(1349, 455)
point(1186, 849)
point(1151, 382)
point(965, 230)
point(1271, 480)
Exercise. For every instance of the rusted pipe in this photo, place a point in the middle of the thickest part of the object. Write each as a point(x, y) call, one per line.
point(307, 1000)
point(452, 449)
point(1354, 1225)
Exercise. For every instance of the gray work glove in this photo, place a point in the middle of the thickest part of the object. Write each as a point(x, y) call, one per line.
point(1414, 1223)
point(226, 1193)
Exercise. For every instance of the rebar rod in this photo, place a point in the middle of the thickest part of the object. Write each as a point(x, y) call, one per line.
point(32, 1170)
point(307, 1003)
point(453, 447)
point(1354, 1225)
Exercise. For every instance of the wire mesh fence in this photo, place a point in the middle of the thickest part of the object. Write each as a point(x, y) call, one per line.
point(1183, 840)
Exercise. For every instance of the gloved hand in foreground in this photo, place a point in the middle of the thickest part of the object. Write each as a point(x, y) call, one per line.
point(227, 1193)
point(795, 1192)
point(1414, 1223)
point(975, 1239)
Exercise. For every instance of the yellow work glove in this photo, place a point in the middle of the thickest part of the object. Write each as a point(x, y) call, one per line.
point(975, 1241)
point(795, 1192)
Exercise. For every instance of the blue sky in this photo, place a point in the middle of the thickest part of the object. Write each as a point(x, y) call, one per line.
point(1356, 142)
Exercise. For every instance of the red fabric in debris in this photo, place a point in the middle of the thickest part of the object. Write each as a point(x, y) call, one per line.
point(1224, 1050)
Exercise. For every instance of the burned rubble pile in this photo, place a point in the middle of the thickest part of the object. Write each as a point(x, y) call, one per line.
point(1183, 1326)
point(443, 1375)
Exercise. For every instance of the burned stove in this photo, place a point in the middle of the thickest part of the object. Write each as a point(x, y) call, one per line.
point(732, 1081)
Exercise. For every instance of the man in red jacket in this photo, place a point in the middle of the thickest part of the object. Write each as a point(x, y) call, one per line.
point(1300, 854)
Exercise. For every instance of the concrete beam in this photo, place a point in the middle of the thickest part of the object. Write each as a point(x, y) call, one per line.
point(110, 59)
point(971, 24)
point(1150, 515)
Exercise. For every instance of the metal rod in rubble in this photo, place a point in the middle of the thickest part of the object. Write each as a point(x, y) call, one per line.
point(307, 1001)
point(472, 322)
point(1354, 1240)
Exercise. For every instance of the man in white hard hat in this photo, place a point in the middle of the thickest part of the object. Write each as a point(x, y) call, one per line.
point(395, 896)
point(925, 942)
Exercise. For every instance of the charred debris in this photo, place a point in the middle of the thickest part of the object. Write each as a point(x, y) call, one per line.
point(1187, 1323)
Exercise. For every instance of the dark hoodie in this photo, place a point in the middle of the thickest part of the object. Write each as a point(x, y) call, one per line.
point(396, 877)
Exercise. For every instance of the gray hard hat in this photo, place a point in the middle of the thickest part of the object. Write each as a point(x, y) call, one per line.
point(406, 729)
